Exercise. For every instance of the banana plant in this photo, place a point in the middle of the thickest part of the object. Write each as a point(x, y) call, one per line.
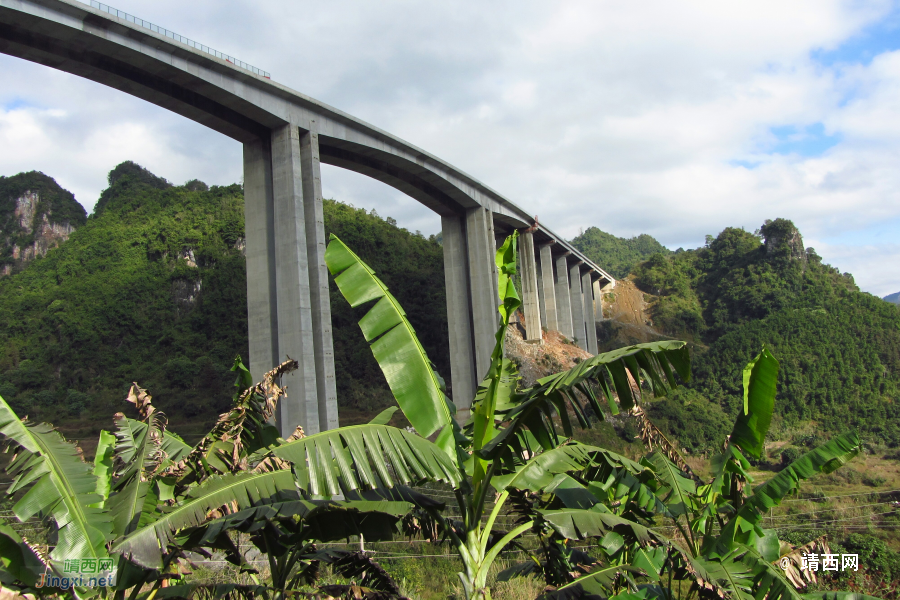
point(149, 497)
point(517, 445)
point(512, 445)
point(720, 545)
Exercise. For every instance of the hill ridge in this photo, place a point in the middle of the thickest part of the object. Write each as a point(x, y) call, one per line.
point(36, 214)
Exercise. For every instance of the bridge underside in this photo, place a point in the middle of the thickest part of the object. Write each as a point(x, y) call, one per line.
point(286, 136)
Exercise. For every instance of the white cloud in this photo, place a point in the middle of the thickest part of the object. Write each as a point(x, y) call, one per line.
point(629, 116)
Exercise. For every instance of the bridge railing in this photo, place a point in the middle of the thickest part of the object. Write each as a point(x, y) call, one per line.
point(178, 38)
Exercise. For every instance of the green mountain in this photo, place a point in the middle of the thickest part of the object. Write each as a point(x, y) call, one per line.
point(839, 348)
point(893, 298)
point(614, 254)
point(152, 288)
point(35, 215)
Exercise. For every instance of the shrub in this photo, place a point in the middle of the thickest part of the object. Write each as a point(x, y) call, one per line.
point(789, 455)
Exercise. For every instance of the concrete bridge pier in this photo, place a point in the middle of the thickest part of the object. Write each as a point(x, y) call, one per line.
point(470, 276)
point(563, 302)
point(588, 311)
point(548, 301)
point(530, 296)
point(576, 299)
point(598, 301)
point(287, 286)
point(542, 301)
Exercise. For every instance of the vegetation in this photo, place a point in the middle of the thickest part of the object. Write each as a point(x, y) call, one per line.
point(839, 348)
point(616, 255)
point(57, 205)
point(157, 271)
point(150, 498)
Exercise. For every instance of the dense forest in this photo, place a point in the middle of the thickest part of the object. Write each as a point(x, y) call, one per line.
point(56, 205)
point(839, 348)
point(152, 288)
point(617, 256)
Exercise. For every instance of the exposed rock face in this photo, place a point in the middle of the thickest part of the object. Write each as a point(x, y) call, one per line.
point(783, 240)
point(187, 255)
point(36, 215)
point(185, 293)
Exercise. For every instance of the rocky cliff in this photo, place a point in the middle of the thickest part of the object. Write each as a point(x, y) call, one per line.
point(36, 214)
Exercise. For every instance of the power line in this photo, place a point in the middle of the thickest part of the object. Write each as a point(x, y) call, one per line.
point(829, 510)
point(814, 498)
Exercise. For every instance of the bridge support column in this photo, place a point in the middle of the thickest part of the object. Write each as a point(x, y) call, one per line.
point(563, 304)
point(294, 308)
point(530, 301)
point(482, 249)
point(320, 298)
point(459, 322)
point(577, 303)
point(259, 229)
point(548, 303)
point(589, 324)
point(285, 248)
point(598, 301)
point(542, 303)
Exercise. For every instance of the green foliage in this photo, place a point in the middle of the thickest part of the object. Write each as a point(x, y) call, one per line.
point(119, 301)
point(56, 205)
point(417, 388)
point(409, 265)
point(617, 255)
point(677, 309)
point(874, 555)
point(690, 418)
point(789, 455)
point(839, 348)
point(116, 292)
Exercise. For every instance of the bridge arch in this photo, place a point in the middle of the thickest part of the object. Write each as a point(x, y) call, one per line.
point(286, 136)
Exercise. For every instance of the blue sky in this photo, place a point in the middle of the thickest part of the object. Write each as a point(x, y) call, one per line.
point(673, 119)
point(878, 37)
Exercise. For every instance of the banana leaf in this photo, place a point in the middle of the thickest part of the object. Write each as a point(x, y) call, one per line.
point(621, 372)
point(539, 471)
point(223, 591)
point(760, 377)
point(402, 359)
point(103, 465)
point(59, 484)
point(139, 454)
point(19, 565)
point(146, 544)
point(681, 494)
point(744, 526)
point(575, 524)
point(367, 455)
point(502, 377)
point(599, 582)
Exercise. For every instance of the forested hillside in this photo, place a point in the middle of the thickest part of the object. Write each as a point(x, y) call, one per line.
point(614, 254)
point(153, 289)
point(35, 214)
point(839, 348)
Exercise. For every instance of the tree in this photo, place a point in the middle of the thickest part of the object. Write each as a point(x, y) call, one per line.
point(149, 498)
point(511, 443)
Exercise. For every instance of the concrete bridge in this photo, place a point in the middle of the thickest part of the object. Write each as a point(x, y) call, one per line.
point(286, 136)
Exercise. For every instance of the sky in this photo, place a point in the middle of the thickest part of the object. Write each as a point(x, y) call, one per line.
point(672, 119)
